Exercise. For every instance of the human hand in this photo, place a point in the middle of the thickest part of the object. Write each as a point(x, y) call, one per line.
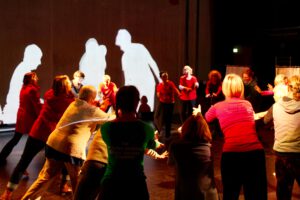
point(207, 96)
point(164, 155)
point(270, 87)
point(197, 110)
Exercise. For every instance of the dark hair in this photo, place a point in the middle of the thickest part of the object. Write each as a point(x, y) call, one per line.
point(162, 73)
point(79, 74)
point(127, 99)
point(249, 72)
point(196, 129)
point(61, 85)
point(29, 77)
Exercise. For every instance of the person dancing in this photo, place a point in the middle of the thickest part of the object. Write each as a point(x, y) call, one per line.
point(56, 100)
point(28, 112)
point(188, 85)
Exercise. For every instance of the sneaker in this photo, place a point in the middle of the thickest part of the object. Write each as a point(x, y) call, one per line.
point(6, 195)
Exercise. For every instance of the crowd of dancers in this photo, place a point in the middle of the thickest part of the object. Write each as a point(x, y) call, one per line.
point(117, 121)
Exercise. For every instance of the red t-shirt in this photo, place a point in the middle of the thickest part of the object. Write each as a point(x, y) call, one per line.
point(52, 110)
point(166, 92)
point(191, 94)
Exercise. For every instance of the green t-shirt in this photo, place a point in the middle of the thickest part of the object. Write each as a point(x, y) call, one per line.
point(126, 143)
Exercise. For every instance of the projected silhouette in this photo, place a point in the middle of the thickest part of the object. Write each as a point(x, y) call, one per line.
point(93, 63)
point(137, 64)
point(31, 60)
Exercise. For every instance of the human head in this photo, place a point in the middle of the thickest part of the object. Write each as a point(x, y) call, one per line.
point(195, 129)
point(32, 56)
point(106, 79)
point(233, 86)
point(187, 70)
point(87, 93)
point(78, 76)
point(294, 87)
point(144, 99)
point(127, 99)
point(30, 78)
point(215, 77)
point(61, 85)
point(247, 75)
point(164, 76)
point(280, 79)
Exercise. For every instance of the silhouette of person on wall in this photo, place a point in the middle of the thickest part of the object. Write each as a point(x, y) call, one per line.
point(31, 60)
point(93, 63)
point(138, 66)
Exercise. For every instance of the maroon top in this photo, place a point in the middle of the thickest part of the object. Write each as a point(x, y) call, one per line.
point(166, 92)
point(52, 110)
point(29, 108)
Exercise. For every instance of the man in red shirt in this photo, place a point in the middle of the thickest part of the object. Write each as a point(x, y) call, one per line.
point(165, 91)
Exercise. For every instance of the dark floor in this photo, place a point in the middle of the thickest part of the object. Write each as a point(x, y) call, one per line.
point(160, 176)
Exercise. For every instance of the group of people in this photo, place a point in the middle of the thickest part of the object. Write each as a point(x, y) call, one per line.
point(72, 113)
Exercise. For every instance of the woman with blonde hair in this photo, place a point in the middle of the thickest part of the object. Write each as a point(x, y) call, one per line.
point(285, 113)
point(241, 147)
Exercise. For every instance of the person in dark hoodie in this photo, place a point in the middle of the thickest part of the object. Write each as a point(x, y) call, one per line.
point(286, 116)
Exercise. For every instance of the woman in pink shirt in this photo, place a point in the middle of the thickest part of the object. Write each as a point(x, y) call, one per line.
point(243, 157)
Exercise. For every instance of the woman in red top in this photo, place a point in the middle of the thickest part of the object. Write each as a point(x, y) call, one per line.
point(188, 85)
point(107, 92)
point(243, 157)
point(57, 100)
point(28, 111)
point(213, 89)
point(166, 91)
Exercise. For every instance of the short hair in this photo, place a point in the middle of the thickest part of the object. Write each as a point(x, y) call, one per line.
point(29, 77)
point(162, 73)
point(188, 68)
point(61, 85)
point(87, 92)
point(79, 74)
point(106, 77)
point(279, 78)
point(196, 129)
point(233, 86)
point(249, 72)
point(144, 99)
point(127, 99)
point(294, 86)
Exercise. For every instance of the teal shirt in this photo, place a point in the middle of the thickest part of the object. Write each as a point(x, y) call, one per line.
point(126, 143)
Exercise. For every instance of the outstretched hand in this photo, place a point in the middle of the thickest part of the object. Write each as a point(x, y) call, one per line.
point(197, 110)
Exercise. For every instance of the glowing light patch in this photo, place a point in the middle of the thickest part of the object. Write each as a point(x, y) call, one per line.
point(31, 60)
point(138, 66)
